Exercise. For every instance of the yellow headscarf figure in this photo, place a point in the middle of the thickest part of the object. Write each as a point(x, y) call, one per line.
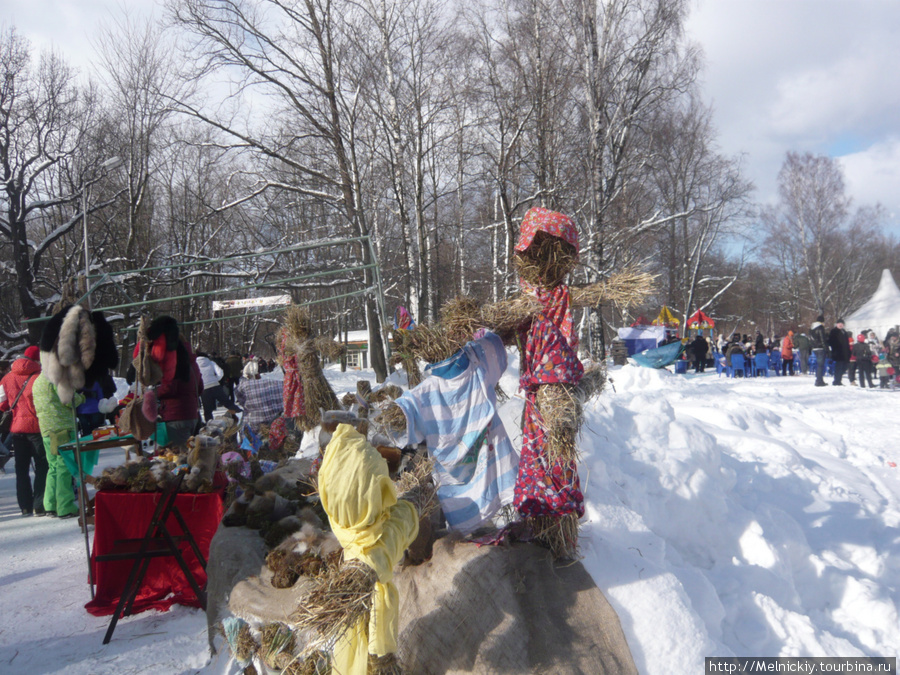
point(373, 527)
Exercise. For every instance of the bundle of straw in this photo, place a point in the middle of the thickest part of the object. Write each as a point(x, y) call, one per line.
point(339, 600)
point(460, 318)
point(277, 642)
point(625, 288)
point(242, 643)
point(431, 343)
point(591, 383)
point(391, 418)
point(416, 485)
point(561, 412)
point(328, 348)
point(389, 392)
point(508, 316)
point(388, 664)
point(557, 533)
point(316, 663)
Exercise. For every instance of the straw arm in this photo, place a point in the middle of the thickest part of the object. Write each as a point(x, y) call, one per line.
point(625, 288)
point(506, 317)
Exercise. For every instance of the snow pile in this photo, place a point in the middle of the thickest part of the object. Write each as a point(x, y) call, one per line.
point(731, 517)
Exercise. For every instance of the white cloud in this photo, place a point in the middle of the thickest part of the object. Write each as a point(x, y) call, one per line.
point(873, 175)
point(859, 91)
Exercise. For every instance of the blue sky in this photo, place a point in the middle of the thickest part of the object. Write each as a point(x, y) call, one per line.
point(803, 75)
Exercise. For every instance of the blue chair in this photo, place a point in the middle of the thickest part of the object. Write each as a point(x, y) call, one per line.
point(738, 365)
point(761, 365)
point(775, 361)
point(720, 365)
point(829, 366)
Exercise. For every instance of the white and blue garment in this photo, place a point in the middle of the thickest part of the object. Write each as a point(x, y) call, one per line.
point(454, 411)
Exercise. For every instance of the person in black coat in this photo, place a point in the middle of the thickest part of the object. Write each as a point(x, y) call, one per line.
point(864, 367)
point(760, 346)
point(700, 347)
point(840, 351)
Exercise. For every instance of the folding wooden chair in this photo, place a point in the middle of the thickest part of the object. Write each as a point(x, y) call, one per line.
point(157, 542)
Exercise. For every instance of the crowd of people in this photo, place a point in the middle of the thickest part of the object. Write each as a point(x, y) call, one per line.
point(863, 358)
point(192, 386)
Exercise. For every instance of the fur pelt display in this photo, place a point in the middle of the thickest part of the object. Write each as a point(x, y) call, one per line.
point(77, 348)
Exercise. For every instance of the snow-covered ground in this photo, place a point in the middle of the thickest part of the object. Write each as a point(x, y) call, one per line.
point(747, 517)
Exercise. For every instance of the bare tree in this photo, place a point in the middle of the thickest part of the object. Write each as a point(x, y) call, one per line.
point(633, 64)
point(820, 248)
point(710, 198)
point(44, 120)
point(295, 54)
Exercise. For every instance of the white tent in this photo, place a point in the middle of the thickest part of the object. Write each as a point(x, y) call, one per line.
point(881, 312)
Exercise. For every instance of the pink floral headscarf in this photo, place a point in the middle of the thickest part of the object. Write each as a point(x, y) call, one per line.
point(539, 219)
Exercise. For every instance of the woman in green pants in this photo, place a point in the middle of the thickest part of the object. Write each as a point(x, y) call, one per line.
point(57, 421)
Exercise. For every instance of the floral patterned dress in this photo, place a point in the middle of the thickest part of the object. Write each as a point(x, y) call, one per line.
point(545, 487)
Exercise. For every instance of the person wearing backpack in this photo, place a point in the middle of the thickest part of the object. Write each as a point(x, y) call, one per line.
point(25, 432)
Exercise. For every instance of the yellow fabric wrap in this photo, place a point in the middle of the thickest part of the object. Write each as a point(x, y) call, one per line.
point(373, 527)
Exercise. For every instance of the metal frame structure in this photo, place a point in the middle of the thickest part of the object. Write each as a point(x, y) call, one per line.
point(377, 289)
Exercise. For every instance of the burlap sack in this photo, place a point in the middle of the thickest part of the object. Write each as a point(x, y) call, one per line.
point(488, 610)
point(506, 610)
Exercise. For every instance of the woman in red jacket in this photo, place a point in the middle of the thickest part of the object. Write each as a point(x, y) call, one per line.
point(25, 433)
point(178, 394)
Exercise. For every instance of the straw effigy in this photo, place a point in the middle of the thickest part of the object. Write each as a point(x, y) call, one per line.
point(300, 341)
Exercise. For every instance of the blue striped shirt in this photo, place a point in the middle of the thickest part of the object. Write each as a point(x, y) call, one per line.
point(454, 411)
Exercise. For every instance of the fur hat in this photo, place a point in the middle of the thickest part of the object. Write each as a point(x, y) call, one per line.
point(76, 345)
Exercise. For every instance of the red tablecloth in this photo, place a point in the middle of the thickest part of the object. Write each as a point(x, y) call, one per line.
point(126, 515)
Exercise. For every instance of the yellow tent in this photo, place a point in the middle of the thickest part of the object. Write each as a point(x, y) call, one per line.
point(666, 318)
